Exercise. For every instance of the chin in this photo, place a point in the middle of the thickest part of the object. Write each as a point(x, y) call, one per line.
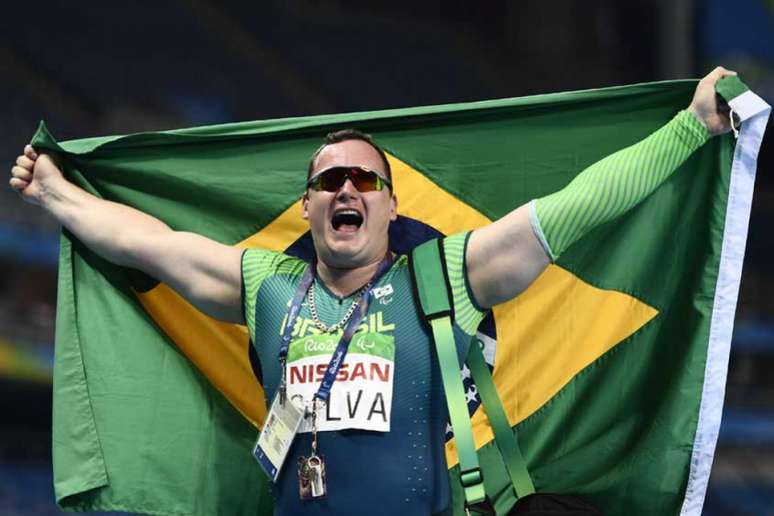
point(345, 254)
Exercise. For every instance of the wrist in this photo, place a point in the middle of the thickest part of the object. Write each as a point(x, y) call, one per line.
point(55, 193)
point(691, 128)
point(695, 112)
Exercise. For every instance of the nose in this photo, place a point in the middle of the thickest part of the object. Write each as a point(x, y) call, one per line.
point(348, 189)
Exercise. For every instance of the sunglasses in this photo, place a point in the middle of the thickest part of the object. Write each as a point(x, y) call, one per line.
point(331, 179)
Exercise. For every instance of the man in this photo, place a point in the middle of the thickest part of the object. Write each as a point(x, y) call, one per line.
point(381, 430)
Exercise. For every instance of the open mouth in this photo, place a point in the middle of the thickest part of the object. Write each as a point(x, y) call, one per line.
point(346, 220)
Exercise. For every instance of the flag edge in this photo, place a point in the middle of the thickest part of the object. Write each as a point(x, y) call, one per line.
point(724, 304)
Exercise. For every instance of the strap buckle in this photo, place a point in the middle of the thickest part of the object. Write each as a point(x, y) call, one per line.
point(472, 481)
point(471, 477)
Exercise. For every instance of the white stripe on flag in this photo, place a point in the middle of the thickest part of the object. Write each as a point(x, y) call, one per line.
point(754, 113)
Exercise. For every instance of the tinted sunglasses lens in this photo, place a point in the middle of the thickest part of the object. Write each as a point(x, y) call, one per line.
point(365, 180)
point(333, 179)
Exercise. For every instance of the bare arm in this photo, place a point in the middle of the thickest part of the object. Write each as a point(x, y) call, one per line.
point(505, 257)
point(205, 272)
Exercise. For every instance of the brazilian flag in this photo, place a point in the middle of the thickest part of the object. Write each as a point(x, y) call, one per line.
point(611, 367)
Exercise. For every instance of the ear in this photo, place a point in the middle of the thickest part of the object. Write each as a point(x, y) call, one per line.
point(305, 206)
point(394, 207)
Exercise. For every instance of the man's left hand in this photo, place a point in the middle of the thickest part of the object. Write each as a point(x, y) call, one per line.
point(705, 106)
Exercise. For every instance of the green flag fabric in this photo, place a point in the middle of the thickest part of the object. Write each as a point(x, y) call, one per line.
point(611, 366)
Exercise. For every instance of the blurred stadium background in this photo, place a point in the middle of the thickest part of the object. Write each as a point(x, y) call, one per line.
point(95, 68)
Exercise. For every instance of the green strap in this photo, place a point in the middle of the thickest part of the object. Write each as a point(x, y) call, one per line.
point(433, 295)
point(470, 472)
point(430, 282)
point(431, 289)
point(506, 441)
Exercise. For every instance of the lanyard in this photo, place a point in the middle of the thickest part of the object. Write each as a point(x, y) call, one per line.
point(324, 391)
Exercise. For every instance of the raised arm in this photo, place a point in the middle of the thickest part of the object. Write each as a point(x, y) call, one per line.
point(505, 257)
point(205, 272)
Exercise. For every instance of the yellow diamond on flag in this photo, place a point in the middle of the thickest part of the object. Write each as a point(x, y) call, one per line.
point(546, 336)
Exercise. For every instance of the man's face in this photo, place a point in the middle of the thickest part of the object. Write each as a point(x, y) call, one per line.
point(362, 240)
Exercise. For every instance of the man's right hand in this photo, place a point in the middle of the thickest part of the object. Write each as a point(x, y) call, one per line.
point(33, 176)
point(205, 272)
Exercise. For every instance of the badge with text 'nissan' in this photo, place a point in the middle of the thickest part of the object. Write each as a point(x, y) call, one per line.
point(361, 397)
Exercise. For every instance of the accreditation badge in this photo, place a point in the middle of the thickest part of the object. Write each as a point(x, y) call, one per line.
point(361, 397)
point(277, 435)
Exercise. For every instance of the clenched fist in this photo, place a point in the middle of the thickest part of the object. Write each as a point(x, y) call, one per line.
point(705, 107)
point(33, 176)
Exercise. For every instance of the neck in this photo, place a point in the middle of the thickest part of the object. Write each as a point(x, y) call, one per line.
point(344, 282)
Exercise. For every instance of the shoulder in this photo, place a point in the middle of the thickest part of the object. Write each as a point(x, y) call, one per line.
point(257, 264)
point(467, 313)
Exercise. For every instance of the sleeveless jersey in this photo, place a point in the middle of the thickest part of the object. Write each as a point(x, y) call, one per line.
point(399, 471)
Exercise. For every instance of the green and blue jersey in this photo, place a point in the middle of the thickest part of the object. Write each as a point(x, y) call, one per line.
point(402, 470)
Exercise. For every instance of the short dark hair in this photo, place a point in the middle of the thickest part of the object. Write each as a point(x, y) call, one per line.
point(343, 135)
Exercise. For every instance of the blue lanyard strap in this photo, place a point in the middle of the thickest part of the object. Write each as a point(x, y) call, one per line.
point(324, 392)
point(295, 309)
